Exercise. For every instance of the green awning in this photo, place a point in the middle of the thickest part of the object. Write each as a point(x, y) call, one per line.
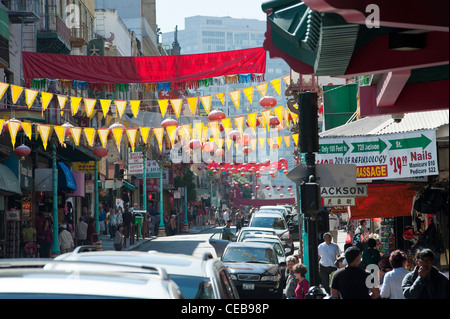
point(4, 24)
point(9, 183)
point(129, 186)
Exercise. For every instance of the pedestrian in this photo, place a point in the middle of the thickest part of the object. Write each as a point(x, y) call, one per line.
point(291, 280)
point(118, 238)
point(112, 222)
point(127, 218)
point(45, 239)
point(334, 225)
point(371, 255)
point(212, 219)
point(119, 216)
point(92, 235)
point(172, 225)
point(81, 232)
point(392, 282)
point(29, 233)
point(65, 239)
point(350, 281)
point(238, 221)
point(339, 263)
point(226, 215)
point(101, 219)
point(302, 288)
point(361, 230)
point(328, 253)
point(425, 281)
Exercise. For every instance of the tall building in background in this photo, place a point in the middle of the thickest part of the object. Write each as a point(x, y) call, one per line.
point(205, 34)
point(139, 16)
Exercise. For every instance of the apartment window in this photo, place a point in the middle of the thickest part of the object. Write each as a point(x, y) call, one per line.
point(214, 22)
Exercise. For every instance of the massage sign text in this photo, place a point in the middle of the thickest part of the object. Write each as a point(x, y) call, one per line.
point(405, 155)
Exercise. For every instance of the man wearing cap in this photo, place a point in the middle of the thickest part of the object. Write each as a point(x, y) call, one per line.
point(351, 282)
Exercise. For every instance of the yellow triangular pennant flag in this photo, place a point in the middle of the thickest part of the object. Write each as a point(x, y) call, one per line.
point(76, 134)
point(105, 104)
point(279, 112)
point(287, 140)
point(228, 141)
point(262, 121)
point(16, 91)
point(252, 120)
point(187, 131)
point(61, 101)
point(13, 128)
point(253, 142)
point(1, 126)
point(206, 101)
point(176, 105)
point(75, 102)
point(269, 142)
point(294, 117)
point(89, 105)
point(227, 125)
point(287, 80)
point(199, 129)
point(295, 139)
point(30, 96)
point(89, 132)
point(215, 129)
point(135, 107)
point(192, 101)
point(276, 85)
point(239, 121)
point(171, 130)
point(266, 116)
point(27, 128)
point(109, 118)
point(262, 89)
point(262, 140)
point(46, 98)
point(103, 136)
point(221, 97)
point(60, 130)
point(219, 143)
point(163, 106)
point(249, 94)
point(279, 139)
point(44, 132)
point(159, 133)
point(121, 105)
point(3, 88)
point(236, 98)
point(144, 133)
point(117, 133)
point(131, 134)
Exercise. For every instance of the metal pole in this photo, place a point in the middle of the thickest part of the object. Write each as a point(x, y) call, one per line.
point(161, 204)
point(96, 212)
point(144, 181)
point(185, 205)
point(55, 249)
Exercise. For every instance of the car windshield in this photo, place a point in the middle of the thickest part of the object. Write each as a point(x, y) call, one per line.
point(268, 222)
point(278, 249)
point(194, 287)
point(249, 255)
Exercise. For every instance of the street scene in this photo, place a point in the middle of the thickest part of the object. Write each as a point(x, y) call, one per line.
point(252, 150)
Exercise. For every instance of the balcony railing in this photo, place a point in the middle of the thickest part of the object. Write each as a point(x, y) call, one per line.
point(52, 24)
point(25, 11)
point(80, 36)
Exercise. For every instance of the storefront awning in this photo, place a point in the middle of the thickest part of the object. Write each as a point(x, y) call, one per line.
point(66, 181)
point(384, 200)
point(129, 186)
point(9, 182)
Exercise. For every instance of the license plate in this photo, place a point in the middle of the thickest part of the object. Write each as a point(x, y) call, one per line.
point(248, 287)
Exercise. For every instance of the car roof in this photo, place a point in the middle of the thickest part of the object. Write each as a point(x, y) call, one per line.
point(175, 264)
point(261, 237)
point(243, 229)
point(74, 282)
point(249, 245)
point(268, 214)
point(272, 207)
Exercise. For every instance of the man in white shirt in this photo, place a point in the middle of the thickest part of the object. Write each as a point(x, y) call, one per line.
point(334, 224)
point(226, 215)
point(328, 252)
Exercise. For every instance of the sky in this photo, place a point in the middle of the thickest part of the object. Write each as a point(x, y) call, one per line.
point(170, 13)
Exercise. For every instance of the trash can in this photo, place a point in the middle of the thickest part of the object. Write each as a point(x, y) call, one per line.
point(138, 221)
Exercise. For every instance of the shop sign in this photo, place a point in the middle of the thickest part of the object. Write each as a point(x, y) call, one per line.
point(391, 156)
point(13, 215)
point(357, 191)
point(85, 167)
point(26, 175)
point(338, 201)
point(26, 208)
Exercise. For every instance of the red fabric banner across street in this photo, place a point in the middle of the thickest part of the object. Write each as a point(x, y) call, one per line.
point(99, 69)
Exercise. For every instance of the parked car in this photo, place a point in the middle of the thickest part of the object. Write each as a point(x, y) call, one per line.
point(221, 238)
point(197, 278)
point(254, 230)
point(276, 221)
point(255, 269)
point(280, 208)
point(50, 279)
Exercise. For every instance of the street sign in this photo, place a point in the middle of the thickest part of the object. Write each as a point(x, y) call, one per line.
point(328, 175)
point(355, 191)
point(339, 201)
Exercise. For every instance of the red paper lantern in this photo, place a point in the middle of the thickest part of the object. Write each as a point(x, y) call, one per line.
point(216, 115)
point(292, 194)
point(274, 121)
point(281, 195)
point(100, 151)
point(22, 151)
point(209, 147)
point(245, 140)
point(220, 152)
point(268, 102)
point(195, 144)
point(6, 127)
point(234, 135)
point(169, 122)
point(247, 150)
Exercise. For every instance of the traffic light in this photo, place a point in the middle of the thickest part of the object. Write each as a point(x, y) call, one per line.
point(308, 123)
point(311, 203)
point(150, 196)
